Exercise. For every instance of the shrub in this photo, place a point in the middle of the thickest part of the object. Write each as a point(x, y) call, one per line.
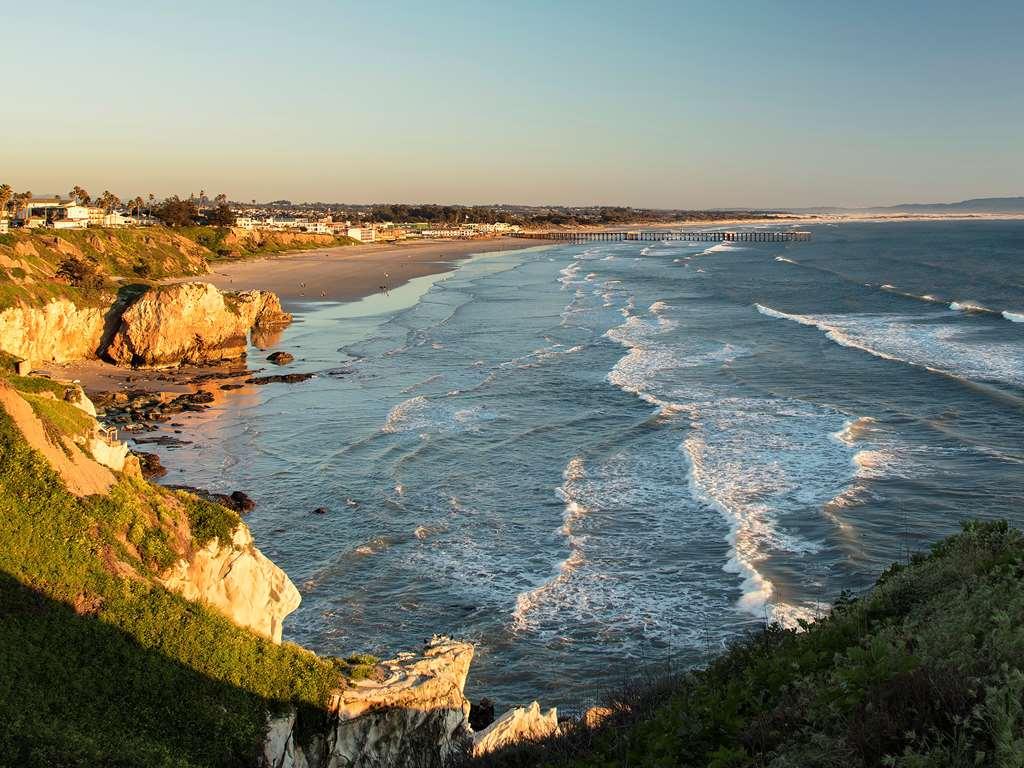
point(81, 273)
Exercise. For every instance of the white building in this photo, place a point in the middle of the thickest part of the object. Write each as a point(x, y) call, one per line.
point(245, 222)
point(4, 226)
point(364, 234)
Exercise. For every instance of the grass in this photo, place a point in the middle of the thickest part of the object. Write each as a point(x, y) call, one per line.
point(36, 385)
point(208, 520)
point(100, 665)
point(923, 672)
point(59, 417)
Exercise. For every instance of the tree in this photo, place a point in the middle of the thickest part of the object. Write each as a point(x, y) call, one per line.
point(136, 203)
point(221, 199)
point(109, 201)
point(79, 194)
point(6, 193)
point(175, 212)
point(221, 216)
point(21, 201)
point(81, 272)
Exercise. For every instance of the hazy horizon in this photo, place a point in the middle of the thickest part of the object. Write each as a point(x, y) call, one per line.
point(655, 105)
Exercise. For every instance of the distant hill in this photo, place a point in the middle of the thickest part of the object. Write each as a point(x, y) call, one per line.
point(974, 205)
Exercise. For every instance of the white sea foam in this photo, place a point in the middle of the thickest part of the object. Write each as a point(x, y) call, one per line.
point(1014, 317)
point(785, 260)
point(426, 415)
point(970, 306)
point(918, 341)
point(573, 474)
point(567, 275)
point(756, 460)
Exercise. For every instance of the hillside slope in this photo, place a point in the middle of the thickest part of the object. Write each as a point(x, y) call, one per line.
point(925, 671)
point(100, 663)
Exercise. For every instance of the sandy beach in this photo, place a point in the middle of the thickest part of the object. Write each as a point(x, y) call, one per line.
point(346, 273)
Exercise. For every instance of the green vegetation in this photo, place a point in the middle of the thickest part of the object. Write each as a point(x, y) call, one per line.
point(99, 664)
point(36, 384)
point(926, 671)
point(58, 416)
point(208, 520)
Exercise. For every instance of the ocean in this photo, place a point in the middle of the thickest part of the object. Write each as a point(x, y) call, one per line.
point(588, 458)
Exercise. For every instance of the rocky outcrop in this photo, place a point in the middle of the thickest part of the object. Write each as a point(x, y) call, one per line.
point(191, 323)
point(517, 725)
point(239, 581)
point(58, 331)
point(416, 715)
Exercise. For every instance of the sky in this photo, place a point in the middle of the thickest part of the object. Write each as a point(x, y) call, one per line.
point(646, 103)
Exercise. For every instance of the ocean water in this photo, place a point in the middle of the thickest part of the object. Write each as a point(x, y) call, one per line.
point(589, 457)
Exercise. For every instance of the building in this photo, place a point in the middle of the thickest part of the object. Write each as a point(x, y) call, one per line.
point(245, 222)
point(364, 234)
point(4, 226)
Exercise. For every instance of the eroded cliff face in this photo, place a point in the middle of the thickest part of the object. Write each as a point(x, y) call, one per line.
point(239, 581)
point(416, 715)
point(191, 323)
point(58, 331)
point(166, 326)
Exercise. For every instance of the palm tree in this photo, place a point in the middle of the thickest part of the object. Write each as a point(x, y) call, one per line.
point(137, 205)
point(6, 193)
point(79, 194)
point(21, 201)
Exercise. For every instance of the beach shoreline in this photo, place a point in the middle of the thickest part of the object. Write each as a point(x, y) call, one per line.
point(350, 272)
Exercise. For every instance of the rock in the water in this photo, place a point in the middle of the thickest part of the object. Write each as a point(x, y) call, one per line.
point(320, 511)
point(241, 502)
point(150, 465)
point(284, 378)
point(191, 323)
point(237, 501)
point(517, 725)
point(280, 358)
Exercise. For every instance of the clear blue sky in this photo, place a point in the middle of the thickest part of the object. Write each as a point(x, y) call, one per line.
point(642, 103)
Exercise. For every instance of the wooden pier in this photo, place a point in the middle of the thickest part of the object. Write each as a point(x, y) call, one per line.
point(753, 236)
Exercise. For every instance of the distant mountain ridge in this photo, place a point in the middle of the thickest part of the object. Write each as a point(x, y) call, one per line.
point(974, 205)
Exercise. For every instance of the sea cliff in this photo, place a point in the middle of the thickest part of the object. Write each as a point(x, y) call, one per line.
point(158, 618)
point(156, 326)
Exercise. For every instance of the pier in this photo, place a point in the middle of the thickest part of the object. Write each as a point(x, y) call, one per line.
point(754, 236)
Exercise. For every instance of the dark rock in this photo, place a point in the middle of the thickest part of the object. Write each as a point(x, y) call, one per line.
point(237, 501)
point(231, 386)
point(161, 440)
point(287, 378)
point(150, 465)
point(320, 511)
point(338, 372)
point(200, 397)
point(280, 358)
point(481, 714)
point(241, 502)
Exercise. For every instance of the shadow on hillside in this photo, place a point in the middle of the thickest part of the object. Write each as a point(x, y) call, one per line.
point(75, 690)
point(126, 294)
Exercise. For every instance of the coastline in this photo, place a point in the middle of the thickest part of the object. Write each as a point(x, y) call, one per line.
point(350, 272)
point(342, 273)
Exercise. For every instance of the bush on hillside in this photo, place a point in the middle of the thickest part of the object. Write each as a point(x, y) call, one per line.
point(81, 273)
